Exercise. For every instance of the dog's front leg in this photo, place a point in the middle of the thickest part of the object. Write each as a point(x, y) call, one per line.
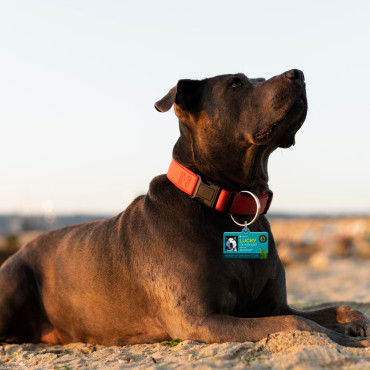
point(341, 319)
point(216, 328)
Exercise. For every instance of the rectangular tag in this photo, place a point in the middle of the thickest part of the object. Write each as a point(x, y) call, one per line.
point(252, 245)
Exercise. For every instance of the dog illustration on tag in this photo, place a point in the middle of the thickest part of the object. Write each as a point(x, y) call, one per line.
point(232, 243)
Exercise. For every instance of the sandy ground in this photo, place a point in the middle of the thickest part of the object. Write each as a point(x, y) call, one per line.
point(344, 281)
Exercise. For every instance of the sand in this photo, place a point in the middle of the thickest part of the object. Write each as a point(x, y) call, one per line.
point(341, 280)
point(293, 350)
point(346, 281)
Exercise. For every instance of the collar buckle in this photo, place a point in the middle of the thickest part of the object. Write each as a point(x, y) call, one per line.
point(206, 193)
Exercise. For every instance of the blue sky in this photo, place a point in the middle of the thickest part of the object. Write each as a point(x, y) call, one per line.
point(78, 80)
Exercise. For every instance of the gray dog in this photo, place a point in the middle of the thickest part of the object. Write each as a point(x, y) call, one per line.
point(156, 271)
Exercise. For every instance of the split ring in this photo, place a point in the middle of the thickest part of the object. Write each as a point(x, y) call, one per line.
point(257, 212)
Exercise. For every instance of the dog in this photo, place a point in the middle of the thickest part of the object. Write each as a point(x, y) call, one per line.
point(156, 271)
point(231, 245)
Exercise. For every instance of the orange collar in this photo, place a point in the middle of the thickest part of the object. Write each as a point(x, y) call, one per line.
point(213, 195)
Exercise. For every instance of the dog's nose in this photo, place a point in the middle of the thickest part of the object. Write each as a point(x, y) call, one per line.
point(295, 74)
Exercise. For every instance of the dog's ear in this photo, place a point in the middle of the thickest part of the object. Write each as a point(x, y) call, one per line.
point(167, 101)
point(186, 94)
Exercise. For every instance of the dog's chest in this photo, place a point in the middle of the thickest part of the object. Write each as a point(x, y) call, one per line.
point(244, 287)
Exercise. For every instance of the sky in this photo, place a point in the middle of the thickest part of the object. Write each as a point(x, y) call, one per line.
point(78, 80)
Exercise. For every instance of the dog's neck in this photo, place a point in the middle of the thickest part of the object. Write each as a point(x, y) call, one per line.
point(246, 172)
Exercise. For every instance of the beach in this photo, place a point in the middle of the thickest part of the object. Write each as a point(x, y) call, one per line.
point(317, 280)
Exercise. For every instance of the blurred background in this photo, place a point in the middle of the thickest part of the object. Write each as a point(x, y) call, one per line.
point(80, 137)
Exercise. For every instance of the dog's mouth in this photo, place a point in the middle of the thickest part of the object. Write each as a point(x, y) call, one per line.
point(289, 124)
point(263, 134)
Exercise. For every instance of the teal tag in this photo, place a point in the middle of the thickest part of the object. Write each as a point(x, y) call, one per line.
point(246, 244)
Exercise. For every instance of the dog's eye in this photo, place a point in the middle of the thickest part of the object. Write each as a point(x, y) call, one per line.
point(236, 82)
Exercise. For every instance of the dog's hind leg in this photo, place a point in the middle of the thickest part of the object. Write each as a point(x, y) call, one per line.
point(21, 316)
point(341, 319)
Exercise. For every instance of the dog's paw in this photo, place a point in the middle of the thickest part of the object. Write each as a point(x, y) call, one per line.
point(357, 342)
point(352, 322)
point(348, 341)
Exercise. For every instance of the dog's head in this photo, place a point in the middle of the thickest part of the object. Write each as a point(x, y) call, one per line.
point(231, 243)
point(224, 118)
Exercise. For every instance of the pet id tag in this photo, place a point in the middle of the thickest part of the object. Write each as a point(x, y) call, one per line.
point(246, 244)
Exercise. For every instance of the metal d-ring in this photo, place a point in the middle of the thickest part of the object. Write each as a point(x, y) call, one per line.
point(245, 224)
